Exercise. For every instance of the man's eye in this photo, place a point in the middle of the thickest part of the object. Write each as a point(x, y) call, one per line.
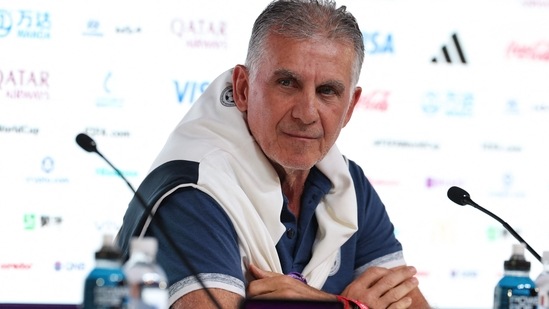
point(285, 82)
point(327, 91)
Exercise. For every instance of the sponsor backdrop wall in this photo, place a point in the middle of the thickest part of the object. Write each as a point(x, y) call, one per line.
point(455, 93)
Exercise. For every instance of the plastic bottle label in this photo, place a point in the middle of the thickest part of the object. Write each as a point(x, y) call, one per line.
point(523, 302)
point(109, 296)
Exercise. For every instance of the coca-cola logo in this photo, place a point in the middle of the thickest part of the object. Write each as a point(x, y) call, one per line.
point(533, 51)
point(375, 100)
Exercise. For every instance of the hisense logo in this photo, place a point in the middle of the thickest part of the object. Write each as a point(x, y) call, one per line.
point(451, 52)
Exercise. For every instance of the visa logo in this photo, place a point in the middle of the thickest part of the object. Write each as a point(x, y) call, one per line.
point(189, 91)
point(378, 43)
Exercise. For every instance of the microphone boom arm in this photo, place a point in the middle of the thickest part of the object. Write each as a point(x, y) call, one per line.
point(508, 227)
point(119, 173)
point(461, 197)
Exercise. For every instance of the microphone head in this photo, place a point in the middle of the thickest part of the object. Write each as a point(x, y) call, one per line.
point(86, 142)
point(458, 196)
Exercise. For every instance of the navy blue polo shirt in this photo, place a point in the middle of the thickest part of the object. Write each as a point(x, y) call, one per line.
point(205, 235)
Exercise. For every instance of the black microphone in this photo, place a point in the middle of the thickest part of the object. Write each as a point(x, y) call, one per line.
point(87, 143)
point(461, 197)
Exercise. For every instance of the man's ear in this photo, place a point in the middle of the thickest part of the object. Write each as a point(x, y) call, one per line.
point(240, 87)
point(354, 101)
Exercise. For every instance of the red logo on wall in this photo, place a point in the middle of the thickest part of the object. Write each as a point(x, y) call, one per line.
point(376, 100)
point(15, 266)
point(535, 51)
point(202, 34)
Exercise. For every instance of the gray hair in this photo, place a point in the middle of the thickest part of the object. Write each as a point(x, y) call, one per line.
point(305, 19)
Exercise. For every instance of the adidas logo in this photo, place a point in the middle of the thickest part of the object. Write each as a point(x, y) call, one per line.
point(451, 53)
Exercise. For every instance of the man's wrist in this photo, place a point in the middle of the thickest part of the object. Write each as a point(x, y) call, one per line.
point(351, 303)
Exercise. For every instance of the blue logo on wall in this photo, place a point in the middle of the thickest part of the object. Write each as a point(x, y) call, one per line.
point(449, 103)
point(6, 23)
point(190, 90)
point(26, 24)
point(48, 164)
point(93, 28)
point(378, 43)
point(109, 98)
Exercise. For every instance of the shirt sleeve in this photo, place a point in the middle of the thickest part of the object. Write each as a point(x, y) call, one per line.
point(206, 244)
point(376, 242)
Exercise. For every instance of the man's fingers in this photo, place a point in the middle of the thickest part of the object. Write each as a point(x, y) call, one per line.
point(366, 280)
point(394, 277)
point(270, 284)
point(397, 284)
point(401, 290)
point(382, 287)
point(259, 273)
point(258, 287)
point(404, 303)
point(256, 272)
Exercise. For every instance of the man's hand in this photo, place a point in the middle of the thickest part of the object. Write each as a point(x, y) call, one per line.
point(381, 288)
point(272, 285)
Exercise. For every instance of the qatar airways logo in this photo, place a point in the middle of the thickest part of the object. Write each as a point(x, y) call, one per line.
point(537, 51)
point(377, 100)
point(23, 84)
point(200, 33)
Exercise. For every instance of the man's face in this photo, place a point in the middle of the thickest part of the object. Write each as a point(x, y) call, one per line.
point(298, 99)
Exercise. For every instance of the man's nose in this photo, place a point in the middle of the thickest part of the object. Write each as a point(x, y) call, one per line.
point(306, 107)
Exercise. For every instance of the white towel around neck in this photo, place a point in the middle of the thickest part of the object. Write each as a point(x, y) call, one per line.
point(234, 171)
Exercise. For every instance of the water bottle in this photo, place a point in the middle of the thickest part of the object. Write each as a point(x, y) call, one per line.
point(105, 286)
point(516, 290)
point(146, 279)
point(542, 283)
